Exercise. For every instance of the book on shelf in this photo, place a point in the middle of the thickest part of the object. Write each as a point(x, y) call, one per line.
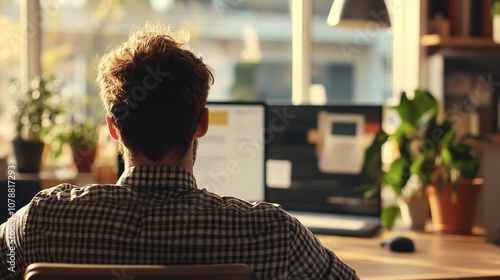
point(466, 18)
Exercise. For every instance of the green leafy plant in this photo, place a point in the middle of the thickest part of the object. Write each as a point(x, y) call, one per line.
point(425, 148)
point(80, 132)
point(39, 109)
point(82, 139)
point(78, 136)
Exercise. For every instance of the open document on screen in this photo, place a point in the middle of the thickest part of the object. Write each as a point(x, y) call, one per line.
point(230, 157)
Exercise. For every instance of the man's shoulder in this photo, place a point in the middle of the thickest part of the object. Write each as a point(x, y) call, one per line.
point(270, 212)
point(70, 192)
point(56, 192)
point(236, 203)
point(273, 211)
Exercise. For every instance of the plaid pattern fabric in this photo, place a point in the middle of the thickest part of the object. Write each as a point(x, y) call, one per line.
point(157, 215)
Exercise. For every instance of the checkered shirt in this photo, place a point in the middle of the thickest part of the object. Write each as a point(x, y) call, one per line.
point(157, 215)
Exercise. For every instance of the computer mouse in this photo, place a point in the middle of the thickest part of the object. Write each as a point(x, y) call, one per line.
point(399, 244)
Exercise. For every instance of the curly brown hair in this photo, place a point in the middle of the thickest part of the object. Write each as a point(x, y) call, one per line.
point(154, 90)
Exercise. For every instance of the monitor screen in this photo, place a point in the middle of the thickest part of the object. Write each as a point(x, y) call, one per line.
point(231, 156)
point(315, 158)
point(342, 128)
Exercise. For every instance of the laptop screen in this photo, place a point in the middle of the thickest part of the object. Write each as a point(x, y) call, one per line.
point(315, 158)
point(231, 156)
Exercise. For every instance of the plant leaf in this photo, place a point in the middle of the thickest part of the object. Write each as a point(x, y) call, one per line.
point(463, 158)
point(374, 150)
point(412, 112)
point(425, 105)
point(389, 216)
point(423, 167)
point(398, 175)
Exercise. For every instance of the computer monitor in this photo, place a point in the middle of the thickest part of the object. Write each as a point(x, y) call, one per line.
point(315, 158)
point(231, 156)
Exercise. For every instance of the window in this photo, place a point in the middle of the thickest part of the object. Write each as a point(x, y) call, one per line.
point(10, 39)
point(247, 42)
point(352, 63)
point(244, 41)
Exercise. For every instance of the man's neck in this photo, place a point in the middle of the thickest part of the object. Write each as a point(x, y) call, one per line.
point(141, 160)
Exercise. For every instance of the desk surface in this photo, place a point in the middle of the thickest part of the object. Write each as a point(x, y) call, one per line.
point(436, 256)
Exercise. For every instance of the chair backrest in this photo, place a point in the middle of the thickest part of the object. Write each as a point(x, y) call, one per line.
point(58, 271)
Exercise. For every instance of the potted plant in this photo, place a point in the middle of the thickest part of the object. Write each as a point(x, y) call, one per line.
point(36, 113)
point(453, 189)
point(82, 138)
point(427, 154)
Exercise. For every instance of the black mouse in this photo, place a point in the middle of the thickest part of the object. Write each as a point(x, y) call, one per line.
point(399, 244)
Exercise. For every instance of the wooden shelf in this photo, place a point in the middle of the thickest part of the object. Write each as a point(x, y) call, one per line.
point(434, 40)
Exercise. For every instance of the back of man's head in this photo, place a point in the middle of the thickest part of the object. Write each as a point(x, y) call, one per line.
point(154, 90)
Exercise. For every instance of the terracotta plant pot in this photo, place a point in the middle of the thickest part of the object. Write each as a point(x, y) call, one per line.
point(84, 158)
point(449, 216)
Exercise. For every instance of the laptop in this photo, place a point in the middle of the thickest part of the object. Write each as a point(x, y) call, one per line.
point(230, 158)
point(314, 166)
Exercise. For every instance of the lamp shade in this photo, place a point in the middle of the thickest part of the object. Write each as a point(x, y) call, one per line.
point(358, 13)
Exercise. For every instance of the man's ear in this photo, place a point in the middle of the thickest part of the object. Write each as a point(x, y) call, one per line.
point(112, 129)
point(202, 127)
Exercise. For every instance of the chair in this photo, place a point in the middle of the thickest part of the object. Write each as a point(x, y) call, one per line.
point(59, 271)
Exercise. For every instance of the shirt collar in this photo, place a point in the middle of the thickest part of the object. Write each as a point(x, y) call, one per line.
point(157, 176)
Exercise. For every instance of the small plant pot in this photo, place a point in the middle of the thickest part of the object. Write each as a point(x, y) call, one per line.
point(414, 212)
point(83, 159)
point(28, 155)
point(454, 216)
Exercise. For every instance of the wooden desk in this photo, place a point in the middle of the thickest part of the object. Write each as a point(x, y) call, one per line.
point(436, 256)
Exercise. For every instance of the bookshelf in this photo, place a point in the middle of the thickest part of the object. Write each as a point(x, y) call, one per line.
point(467, 17)
point(457, 24)
point(460, 59)
point(435, 40)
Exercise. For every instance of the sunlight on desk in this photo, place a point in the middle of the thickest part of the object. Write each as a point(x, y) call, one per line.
point(436, 256)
